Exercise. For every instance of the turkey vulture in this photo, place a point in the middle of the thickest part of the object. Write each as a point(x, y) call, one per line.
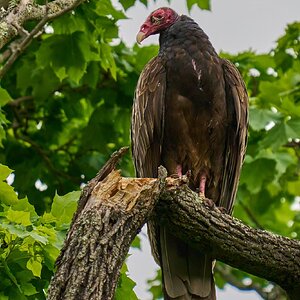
point(190, 113)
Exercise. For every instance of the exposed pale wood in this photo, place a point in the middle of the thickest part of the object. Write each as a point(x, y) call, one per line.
point(101, 236)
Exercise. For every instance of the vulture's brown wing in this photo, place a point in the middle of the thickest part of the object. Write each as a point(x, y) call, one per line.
point(147, 125)
point(237, 109)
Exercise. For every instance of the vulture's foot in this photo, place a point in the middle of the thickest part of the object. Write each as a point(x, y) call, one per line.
point(208, 202)
point(202, 186)
point(179, 170)
point(223, 210)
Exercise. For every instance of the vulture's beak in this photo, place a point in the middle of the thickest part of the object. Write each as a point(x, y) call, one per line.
point(140, 37)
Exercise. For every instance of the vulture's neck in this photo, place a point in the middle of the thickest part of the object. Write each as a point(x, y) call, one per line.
point(183, 29)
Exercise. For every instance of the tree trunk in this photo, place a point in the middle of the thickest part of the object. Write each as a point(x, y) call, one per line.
point(111, 212)
point(113, 209)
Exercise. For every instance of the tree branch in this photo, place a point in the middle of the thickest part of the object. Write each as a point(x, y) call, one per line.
point(100, 237)
point(254, 251)
point(250, 215)
point(115, 209)
point(12, 24)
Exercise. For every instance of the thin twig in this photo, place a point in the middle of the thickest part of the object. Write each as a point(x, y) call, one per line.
point(22, 46)
point(45, 157)
point(20, 100)
point(276, 293)
point(5, 55)
point(251, 215)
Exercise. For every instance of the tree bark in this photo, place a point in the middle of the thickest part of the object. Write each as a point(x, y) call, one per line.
point(111, 212)
point(113, 209)
point(12, 20)
point(258, 252)
point(25, 10)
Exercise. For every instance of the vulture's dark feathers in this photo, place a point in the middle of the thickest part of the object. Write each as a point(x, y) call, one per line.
point(190, 113)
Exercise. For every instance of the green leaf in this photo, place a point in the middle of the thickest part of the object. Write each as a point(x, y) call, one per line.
point(4, 172)
point(19, 217)
point(3, 123)
point(143, 55)
point(15, 229)
point(259, 117)
point(144, 2)
point(25, 206)
point(256, 173)
point(127, 3)
point(68, 24)
point(7, 194)
point(105, 8)
point(136, 242)
point(45, 82)
point(2, 132)
point(281, 133)
point(37, 237)
point(24, 74)
point(3, 297)
point(63, 207)
point(35, 265)
point(73, 61)
point(203, 4)
point(4, 97)
point(50, 255)
point(28, 289)
point(155, 285)
point(125, 286)
point(107, 60)
point(91, 76)
point(283, 159)
point(293, 187)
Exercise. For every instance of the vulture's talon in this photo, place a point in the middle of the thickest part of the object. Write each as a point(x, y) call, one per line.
point(175, 176)
point(188, 174)
point(209, 203)
point(223, 210)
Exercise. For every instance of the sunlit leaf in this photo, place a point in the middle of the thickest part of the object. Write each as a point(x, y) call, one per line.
point(4, 97)
point(19, 217)
point(35, 266)
point(63, 207)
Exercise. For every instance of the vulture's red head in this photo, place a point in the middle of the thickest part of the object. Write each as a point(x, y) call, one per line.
point(158, 20)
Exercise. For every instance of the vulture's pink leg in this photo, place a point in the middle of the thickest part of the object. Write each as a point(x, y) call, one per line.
point(202, 186)
point(179, 170)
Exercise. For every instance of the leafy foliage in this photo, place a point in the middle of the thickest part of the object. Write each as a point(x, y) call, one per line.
point(29, 243)
point(66, 105)
point(203, 4)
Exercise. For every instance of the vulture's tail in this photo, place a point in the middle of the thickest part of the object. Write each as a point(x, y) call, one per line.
point(187, 273)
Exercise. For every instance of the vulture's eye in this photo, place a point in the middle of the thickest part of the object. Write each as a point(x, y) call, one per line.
point(156, 19)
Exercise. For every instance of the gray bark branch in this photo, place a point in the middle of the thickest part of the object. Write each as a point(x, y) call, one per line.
point(258, 252)
point(113, 211)
point(11, 25)
point(28, 10)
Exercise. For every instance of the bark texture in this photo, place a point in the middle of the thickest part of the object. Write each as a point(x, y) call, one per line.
point(113, 209)
point(100, 236)
point(255, 251)
point(13, 20)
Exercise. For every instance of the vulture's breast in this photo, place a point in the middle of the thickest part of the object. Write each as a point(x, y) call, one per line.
point(195, 115)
